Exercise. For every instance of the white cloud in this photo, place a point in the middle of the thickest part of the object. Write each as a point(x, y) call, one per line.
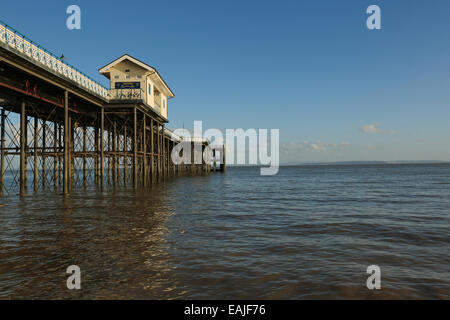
point(374, 129)
point(313, 146)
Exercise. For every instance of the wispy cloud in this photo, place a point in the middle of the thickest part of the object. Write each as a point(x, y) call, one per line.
point(313, 146)
point(375, 129)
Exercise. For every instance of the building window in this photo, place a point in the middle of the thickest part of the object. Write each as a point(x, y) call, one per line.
point(128, 77)
point(127, 70)
point(139, 77)
point(164, 103)
point(150, 89)
point(116, 77)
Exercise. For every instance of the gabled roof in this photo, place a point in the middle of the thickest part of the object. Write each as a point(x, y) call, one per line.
point(105, 70)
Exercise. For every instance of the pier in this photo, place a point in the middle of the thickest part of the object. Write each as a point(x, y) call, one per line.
point(60, 129)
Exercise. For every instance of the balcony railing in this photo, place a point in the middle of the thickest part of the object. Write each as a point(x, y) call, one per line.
point(16, 42)
point(126, 94)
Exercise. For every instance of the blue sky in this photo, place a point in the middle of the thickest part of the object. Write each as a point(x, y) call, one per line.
point(336, 90)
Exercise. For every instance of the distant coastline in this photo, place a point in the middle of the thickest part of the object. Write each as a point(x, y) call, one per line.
point(351, 163)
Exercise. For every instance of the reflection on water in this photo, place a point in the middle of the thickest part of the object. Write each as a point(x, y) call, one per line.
point(309, 232)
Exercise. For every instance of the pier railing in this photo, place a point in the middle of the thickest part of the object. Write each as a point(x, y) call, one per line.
point(16, 42)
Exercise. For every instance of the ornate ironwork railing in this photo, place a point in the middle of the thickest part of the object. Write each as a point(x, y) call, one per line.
point(18, 43)
point(126, 94)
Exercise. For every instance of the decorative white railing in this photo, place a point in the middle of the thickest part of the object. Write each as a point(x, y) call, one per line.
point(18, 43)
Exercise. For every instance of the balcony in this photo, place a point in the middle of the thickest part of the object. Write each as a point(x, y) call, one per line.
point(131, 96)
point(126, 94)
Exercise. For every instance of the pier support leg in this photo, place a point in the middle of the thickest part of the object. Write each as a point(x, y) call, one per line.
point(192, 158)
point(84, 154)
point(169, 166)
point(158, 151)
point(152, 144)
point(66, 142)
point(125, 154)
point(135, 151)
point(102, 146)
point(222, 163)
point(108, 148)
point(2, 147)
point(96, 164)
point(55, 154)
point(71, 152)
point(35, 154)
point(144, 148)
point(114, 148)
point(23, 160)
point(60, 154)
point(43, 150)
point(163, 152)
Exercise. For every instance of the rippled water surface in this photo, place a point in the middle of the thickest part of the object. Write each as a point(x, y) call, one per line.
point(309, 232)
